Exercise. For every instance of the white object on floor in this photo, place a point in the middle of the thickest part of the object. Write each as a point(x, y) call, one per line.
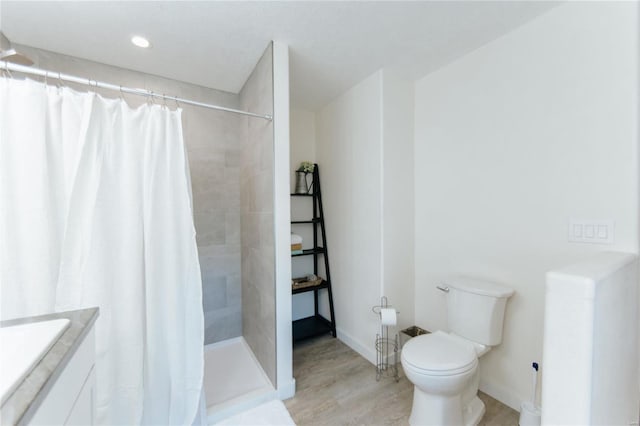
point(22, 347)
point(444, 366)
point(529, 415)
point(234, 381)
point(272, 413)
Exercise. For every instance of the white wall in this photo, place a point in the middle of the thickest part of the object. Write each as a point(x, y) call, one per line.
point(303, 148)
point(364, 147)
point(591, 384)
point(512, 140)
point(397, 195)
point(303, 140)
point(349, 138)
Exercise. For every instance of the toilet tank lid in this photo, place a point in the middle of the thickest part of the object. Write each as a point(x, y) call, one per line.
point(482, 287)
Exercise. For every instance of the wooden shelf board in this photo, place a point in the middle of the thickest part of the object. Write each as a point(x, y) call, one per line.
point(323, 284)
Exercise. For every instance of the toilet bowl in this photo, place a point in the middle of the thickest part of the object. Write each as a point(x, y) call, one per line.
point(444, 370)
point(444, 366)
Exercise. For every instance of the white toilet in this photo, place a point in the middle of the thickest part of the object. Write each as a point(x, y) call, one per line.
point(444, 366)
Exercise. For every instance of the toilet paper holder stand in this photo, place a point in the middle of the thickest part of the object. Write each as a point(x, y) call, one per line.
point(386, 347)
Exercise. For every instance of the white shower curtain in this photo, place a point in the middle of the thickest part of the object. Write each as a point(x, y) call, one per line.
point(95, 210)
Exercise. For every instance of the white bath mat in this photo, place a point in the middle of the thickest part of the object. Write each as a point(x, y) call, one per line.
point(272, 413)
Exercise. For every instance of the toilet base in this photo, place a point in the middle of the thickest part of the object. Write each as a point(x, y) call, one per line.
point(473, 412)
point(444, 410)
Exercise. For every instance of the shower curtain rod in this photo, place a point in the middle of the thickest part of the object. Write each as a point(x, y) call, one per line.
point(9, 66)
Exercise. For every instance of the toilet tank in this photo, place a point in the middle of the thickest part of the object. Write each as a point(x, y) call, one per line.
point(475, 309)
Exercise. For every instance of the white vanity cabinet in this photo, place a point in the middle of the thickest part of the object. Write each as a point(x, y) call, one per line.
point(71, 399)
point(53, 360)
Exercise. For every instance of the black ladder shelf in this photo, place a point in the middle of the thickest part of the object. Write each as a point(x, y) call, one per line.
point(316, 324)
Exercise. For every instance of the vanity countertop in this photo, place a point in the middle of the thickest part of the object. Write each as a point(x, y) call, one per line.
point(28, 395)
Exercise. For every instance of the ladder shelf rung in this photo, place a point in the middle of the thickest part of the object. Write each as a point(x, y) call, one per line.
point(298, 222)
point(309, 252)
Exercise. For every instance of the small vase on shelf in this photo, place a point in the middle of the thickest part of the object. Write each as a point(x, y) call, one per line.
point(301, 183)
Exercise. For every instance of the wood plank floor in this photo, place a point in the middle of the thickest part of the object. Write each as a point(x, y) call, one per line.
point(336, 386)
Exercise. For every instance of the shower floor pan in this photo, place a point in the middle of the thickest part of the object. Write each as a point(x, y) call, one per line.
point(233, 380)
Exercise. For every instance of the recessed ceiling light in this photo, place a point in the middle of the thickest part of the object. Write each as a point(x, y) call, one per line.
point(140, 41)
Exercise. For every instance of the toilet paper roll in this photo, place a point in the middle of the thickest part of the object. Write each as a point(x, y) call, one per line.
point(388, 316)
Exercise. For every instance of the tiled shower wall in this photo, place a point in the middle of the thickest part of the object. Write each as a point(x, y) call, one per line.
point(215, 171)
point(257, 218)
point(213, 145)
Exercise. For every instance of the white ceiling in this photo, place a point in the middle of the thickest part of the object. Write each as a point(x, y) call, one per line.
point(333, 44)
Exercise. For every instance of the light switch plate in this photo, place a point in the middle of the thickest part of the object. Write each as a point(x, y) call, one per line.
point(591, 231)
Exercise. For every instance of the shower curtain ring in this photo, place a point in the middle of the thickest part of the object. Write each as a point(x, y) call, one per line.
point(6, 69)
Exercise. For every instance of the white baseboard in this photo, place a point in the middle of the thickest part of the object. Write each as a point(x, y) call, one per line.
point(287, 390)
point(223, 343)
point(368, 352)
point(502, 394)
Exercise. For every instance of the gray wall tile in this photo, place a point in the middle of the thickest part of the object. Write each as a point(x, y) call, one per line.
point(256, 218)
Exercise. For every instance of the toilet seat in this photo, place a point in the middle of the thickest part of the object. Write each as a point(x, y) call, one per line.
point(439, 354)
